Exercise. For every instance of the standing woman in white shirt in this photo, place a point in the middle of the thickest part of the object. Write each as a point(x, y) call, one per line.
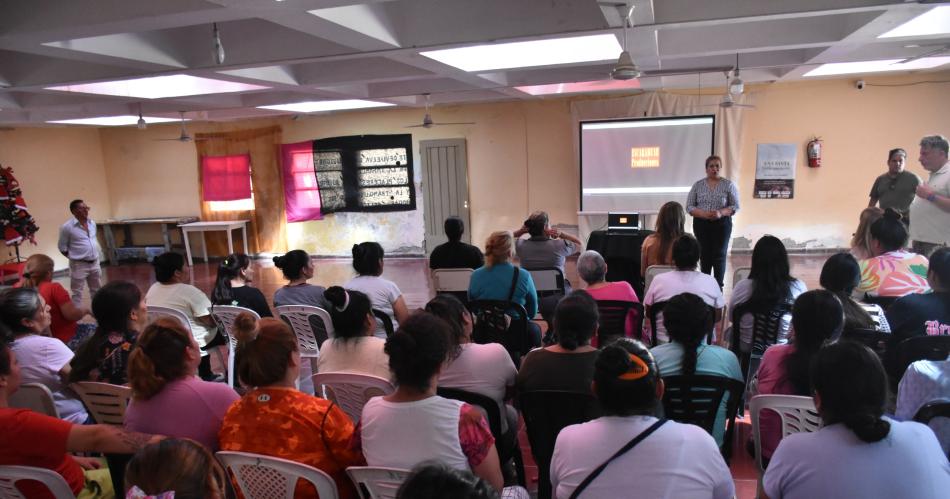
point(77, 241)
point(712, 202)
point(383, 293)
point(670, 459)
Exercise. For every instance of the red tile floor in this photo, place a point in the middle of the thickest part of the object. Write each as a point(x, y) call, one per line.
point(407, 273)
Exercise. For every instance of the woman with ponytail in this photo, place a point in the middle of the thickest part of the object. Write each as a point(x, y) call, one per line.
point(629, 388)
point(892, 271)
point(276, 419)
point(858, 452)
point(841, 274)
point(232, 286)
point(298, 269)
point(383, 293)
point(121, 315)
point(354, 348)
point(568, 364)
point(64, 314)
point(413, 424)
point(687, 319)
point(817, 317)
point(167, 397)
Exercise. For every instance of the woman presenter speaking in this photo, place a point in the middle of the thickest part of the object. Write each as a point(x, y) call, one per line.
point(712, 202)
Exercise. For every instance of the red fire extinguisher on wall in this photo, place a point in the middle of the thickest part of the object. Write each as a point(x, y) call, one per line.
point(813, 150)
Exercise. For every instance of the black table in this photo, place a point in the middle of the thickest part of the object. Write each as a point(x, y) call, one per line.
point(622, 254)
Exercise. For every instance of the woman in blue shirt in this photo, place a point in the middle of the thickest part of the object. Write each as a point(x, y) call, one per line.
point(712, 202)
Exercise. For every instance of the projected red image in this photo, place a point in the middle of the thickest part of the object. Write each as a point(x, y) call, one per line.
point(645, 157)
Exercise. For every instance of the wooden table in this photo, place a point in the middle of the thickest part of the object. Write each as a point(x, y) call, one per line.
point(127, 224)
point(202, 227)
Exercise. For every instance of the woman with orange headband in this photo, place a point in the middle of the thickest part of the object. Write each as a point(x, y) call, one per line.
point(629, 449)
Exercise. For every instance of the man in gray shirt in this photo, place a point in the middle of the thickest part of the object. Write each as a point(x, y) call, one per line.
point(896, 188)
point(77, 241)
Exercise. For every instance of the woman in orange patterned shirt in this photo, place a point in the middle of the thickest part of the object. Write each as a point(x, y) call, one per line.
point(275, 418)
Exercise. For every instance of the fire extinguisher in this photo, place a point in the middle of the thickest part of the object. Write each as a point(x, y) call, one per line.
point(813, 150)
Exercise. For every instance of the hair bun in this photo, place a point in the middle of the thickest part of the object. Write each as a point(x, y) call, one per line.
point(336, 295)
point(892, 214)
point(279, 260)
point(613, 361)
point(245, 327)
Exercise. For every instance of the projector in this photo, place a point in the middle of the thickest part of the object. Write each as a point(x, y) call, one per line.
point(625, 68)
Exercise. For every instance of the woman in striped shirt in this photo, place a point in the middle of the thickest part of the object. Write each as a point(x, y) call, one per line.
point(712, 202)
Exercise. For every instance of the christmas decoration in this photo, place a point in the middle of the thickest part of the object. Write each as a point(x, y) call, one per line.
point(16, 222)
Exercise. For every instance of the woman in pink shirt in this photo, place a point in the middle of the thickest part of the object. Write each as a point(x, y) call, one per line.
point(592, 269)
point(167, 397)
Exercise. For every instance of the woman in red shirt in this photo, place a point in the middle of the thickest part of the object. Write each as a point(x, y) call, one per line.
point(38, 273)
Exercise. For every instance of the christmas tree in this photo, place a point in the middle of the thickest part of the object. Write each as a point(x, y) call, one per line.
point(17, 223)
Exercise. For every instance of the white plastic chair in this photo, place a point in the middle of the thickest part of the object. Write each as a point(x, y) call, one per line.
point(106, 402)
point(10, 475)
point(351, 391)
point(224, 315)
point(798, 414)
point(376, 482)
point(35, 397)
point(653, 271)
point(265, 477)
point(308, 339)
point(157, 312)
point(451, 280)
point(740, 274)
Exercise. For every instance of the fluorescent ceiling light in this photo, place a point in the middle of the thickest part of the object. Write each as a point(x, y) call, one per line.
point(326, 105)
point(580, 86)
point(113, 120)
point(842, 68)
point(935, 21)
point(532, 53)
point(160, 87)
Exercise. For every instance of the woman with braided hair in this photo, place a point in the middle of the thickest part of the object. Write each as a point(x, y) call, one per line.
point(858, 452)
point(688, 319)
point(660, 459)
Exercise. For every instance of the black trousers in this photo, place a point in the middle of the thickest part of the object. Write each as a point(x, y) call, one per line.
point(713, 237)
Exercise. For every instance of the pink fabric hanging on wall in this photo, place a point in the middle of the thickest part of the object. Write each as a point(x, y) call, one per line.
point(301, 194)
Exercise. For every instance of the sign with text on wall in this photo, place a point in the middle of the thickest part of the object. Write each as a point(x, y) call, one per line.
point(365, 173)
point(775, 171)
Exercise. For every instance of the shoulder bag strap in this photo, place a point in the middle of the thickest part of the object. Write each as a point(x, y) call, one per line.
point(623, 450)
point(514, 283)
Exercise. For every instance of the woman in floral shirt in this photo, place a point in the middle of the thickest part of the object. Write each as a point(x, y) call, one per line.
point(892, 271)
point(119, 309)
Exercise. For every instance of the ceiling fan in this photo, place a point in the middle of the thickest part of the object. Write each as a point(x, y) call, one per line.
point(427, 119)
point(733, 89)
point(184, 137)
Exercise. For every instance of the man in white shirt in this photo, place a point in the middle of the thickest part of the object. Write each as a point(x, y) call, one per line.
point(77, 241)
point(930, 210)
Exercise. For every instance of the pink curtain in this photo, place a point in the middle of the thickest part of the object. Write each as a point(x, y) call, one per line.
point(301, 193)
point(226, 178)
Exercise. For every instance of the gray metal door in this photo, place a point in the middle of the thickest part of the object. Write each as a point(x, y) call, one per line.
point(444, 187)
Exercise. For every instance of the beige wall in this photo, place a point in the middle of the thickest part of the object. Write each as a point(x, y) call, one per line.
point(55, 166)
point(520, 158)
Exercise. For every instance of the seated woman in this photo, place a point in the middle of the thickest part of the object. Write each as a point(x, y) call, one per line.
point(769, 284)
point(816, 318)
point(485, 369)
point(32, 439)
point(25, 316)
point(120, 312)
point(167, 398)
point(857, 453)
point(178, 465)
point(298, 269)
point(569, 364)
point(592, 269)
point(353, 347)
point(171, 291)
point(687, 318)
point(413, 424)
point(278, 420)
point(861, 239)
point(840, 274)
point(927, 314)
point(657, 248)
point(64, 315)
point(629, 388)
point(232, 286)
point(685, 279)
point(383, 293)
point(891, 271)
point(435, 480)
point(494, 281)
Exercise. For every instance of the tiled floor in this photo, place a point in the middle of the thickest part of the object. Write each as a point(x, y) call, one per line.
point(412, 276)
